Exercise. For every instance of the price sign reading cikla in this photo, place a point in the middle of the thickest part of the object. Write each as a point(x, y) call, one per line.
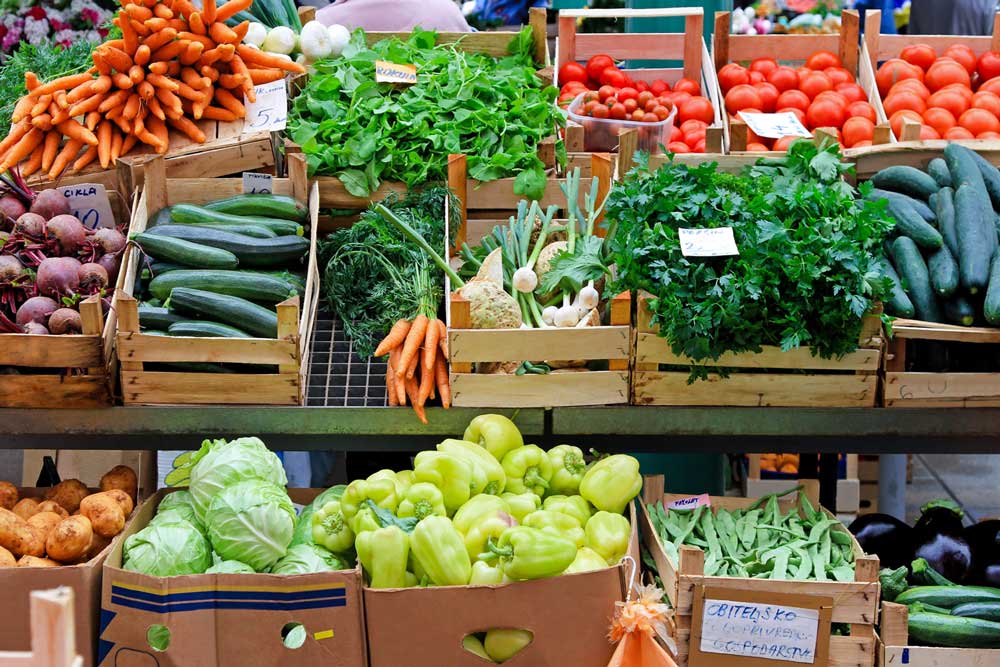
point(269, 111)
point(714, 242)
point(386, 72)
point(89, 203)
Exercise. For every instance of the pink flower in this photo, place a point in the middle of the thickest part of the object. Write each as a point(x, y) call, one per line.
point(58, 25)
point(102, 31)
point(90, 15)
point(36, 12)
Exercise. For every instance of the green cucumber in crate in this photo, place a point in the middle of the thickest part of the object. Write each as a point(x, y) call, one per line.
point(251, 252)
point(156, 318)
point(244, 284)
point(199, 215)
point(180, 251)
point(231, 310)
point(204, 329)
point(272, 206)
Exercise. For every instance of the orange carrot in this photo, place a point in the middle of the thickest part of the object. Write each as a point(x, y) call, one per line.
point(142, 55)
point(155, 24)
point(241, 31)
point(262, 59)
point(32, 164)
point(171, 50)
point(189, 128)
point(129, 35)
point(193, 53)
point(395, 337)
point(442, 381)
point(31, 81)
point(138, 12)
point(139, 27)
point(443, 338)
point(231, 81)
point(168, 99)
point(73, 130)
point(189, 93)
point(208, 11)
point(114, 113)
point(122, 80)
point(60, 99)
point(155, 108)
point(413, 391)
point(66, 155)
point(88, 156)
point(426, 382)
point(104, 143)
point(193, 78)
point(116, 145)
point(259, 76)
point(161, 11)
point(131, 107)
point(215, 113)
point(83, 90)
point(197, 24)
point(93, 119)
point(146, 90)
point(414, 338)
point(223, 52)
point(411, 370)
point(159, 67)
point(117, 58)
point(17, 132)
point(22, 109)
point(163, 82)
point(390, 387)
point(113, 100)
point(129, 143)
point(226, 99)
point(158, 39)
point(136, 73)
point(177, 24)
point(50, 147)
point(58, 115)
point(41, 105)
point(231, 8)
point(398, 384)
point(173, 68)
point(210, 73)
point(430, 345)
point(42, 122)
point(99, 64)
point(87, 105)
point(184, 8)
point(147, 137)
point(115, 43)
point(124, 124)
point(102, 84)
point(223, 34)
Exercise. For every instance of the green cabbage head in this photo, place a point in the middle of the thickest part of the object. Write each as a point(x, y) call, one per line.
point(168, 549)
point(307, 558)
point(251, 522)
point(230, 567)
point(225, 464)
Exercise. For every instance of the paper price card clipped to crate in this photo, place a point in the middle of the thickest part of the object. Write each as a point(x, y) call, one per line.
point(708, 242)
point(89, 203)
point(743, 628)
point(775, 125)
point(269, 112)
point(386, 72)
point(690, 503)
point(257, 184)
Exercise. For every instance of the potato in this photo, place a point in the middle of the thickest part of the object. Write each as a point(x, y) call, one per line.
point(68, 493)
point(26, 508)
point(105, 514)
point(97, 545)
point(53, 506)
point(70, 540)
point(27, 541)
point(123, 478)
point(123, 499)
point(32, 561)
point(8, 495)
point(7, 558)
point(46, 521)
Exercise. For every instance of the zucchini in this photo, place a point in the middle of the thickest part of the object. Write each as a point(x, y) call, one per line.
point(230, 310)
point(156, 268)
point(948, 596)
point(184, 252)
point(922, 574)
point(910, 224)
point(943, 270)
point(963, 168)
point(156, 318)
point(189, 214)
point(991, 306)
point(958, 310)
point(952, 631)
point(203, 329)
point(272, 206)
point(991, 177)
point(899, 304)
point(946, 219)
point(938, 170)
point(244, 284)
point(907, 180)
point(976, 237)
point(256, 231)
point(250, 252)
point(912, 269)
point(919, 206)
point(988, 611)
point(161, 217)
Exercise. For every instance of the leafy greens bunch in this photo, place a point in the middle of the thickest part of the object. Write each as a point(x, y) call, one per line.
point(495, 111)
point(806, 272)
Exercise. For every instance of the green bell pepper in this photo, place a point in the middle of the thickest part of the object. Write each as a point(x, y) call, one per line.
point(475, 455)
point(414, 566)
point(608, 535)
point(530, 553)
point(502, 644)
point(472, 644)
point(410, 580)
point(438, 547)
point(422, 500)
point(488, 526)
point(521, 505)
point(612, 483)
point(381, 491)
point(469, 514)
point(528, 469)
point(497, 434)
point(568, 468)
point(484, 574)
point(586, 560)
point(383, 554)
point(575, 506)
point(450, 474)
point(405, 477)
point(390, 475)
point(557, 523)
point(364, 521)
point(330, 529)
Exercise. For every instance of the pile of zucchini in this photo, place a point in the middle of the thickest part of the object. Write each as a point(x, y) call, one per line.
point(943, 261)
point(218, 270)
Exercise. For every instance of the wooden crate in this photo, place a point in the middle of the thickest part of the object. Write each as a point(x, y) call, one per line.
point(895, 648)
point(53, 633)
point(484, 205)
point(854, 603)
point(727, 48)
point(848, 488)
point(75, 371)
point(289, 351)
point(688, 47)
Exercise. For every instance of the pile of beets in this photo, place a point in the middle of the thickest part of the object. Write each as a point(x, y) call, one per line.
point(50, 262)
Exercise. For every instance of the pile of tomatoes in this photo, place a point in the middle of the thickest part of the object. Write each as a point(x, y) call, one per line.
point(610, 93)
point(822, 93)
point(952, 96)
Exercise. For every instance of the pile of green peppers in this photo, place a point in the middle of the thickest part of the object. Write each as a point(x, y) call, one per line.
point(487, 509)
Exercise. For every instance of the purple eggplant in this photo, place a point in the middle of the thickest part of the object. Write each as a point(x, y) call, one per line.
point(984, 540)
point(886, 537)
point(940, 541)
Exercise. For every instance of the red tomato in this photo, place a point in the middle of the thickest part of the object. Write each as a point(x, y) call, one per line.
point(988, 135)
point(678, 98)
point(858, 129)
point(919, 55)
point(793, 98)
point(825, 113)
point(678, 147)
point(644, 97)
point(928, 133)
point(823, 59)
point(618, 112)
point(963, 55)
point(566, 98)
point(757, 147)
point(783, 143)
point(852, 91)
point(601, 111)
point(630, 105)
point(862, 143)
point(692, 138)
point(978, 121)
point(839, 75)
point(862, 109)
point(904, 100)
point(958, 132)
point(628, 94)
point(989, 65)
point(764, 65)
point(612, 76)
point(692, 125)
point(698, 147)
point(605, 92)
point(784, 78)
point(572, 86)
point(834, 97)
point(947, 71)
point(815, 83)
point(768, 96)
point(573, 71)
point(696, 108)
point(893, 71)
point(952, 100)
point(756, 77)
point(742, 97)
point(642, 86)
point(651, 104)
point(940, 119)
point(732, 75)
point(659, 86)
point(597, 65)
point(987, 100)
point(687, 86)
point(912, 86)
point(896, 120)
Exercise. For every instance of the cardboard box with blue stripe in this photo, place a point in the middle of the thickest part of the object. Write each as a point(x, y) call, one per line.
point(229, 619)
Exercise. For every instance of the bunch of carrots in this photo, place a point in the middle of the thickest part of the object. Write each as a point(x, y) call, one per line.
point(418, 363)
point(172, 66)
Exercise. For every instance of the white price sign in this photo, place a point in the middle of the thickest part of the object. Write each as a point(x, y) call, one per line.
point(714, 242)
point(90, 204)
point(386, 72)
point(775, 125)
point(257, 184)
point(270, 110)
point(755, 630)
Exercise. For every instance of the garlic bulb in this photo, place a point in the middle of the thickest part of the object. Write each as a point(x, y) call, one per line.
point(525, 280)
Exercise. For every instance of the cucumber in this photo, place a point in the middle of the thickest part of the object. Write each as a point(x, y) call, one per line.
point(946, 219)
point(976, 236)
point(203, 329)
point(958, 310)
point(952, 631)
point(244, 284)
point(156, 318)
point(938, 170)
point(943, 270)
point(272, 206)
point(910, 224)
point(196, 215)
point(919, 206)
point(991, 177)
point(991, 306)
point(899, 304)
point(963, 168)
point(948, 596)
point(225, 309)
point(184, 252)
point(250, 252)
point(256, 231)
point(912, 269)
point(907, 180)
point(988, 611)
point(156, 268)
point(161, 217)
point(932, 201)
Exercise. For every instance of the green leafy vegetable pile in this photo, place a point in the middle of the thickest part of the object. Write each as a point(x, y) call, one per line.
point(495, 111)
point(806, 272)
point(48, 61)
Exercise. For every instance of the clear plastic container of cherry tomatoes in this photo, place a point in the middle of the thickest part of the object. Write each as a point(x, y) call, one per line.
point(600, 135)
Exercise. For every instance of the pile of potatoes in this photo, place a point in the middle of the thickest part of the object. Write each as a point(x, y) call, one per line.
point(70, 525)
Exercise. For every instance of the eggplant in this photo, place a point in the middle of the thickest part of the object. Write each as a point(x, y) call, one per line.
point(940, 541)
point(886, 537)
point(984, 540)
point(940, 516)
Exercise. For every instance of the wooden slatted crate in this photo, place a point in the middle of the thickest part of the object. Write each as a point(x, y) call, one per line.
point(484, 205)
point(288, 352)
point(848, 487)
point(854, 603)
point(895, 647)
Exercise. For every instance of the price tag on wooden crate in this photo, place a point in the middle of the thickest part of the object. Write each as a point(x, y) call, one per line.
point(386, 72)
point(690, 503)
point(270, 110)
point(775, 125)
point(733, 627)
point(90, 204)
point(713, 242)
point(257, 184)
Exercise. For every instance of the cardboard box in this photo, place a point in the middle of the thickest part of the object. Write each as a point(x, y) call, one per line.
point(85, 580)
point(569, 615)
point(223, 620)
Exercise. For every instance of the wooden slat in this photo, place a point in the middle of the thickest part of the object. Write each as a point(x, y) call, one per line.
point(143, 348)
point(333, 194)
point(785, 47)
point(499, 194)
point(139, 388)
point(47, 391)
point(203, 190)
point(918, 330)
point(916, 154)
point(488, 43)
point(961, 387)
point(50, 351)
point(656, 12)
point(553, 390)
point(895, 619)
point(644, 46)
point(755, 390)
point(519, 344)
point(651, 348)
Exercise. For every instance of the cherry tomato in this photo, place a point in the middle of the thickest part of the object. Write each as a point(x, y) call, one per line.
point(591, 96)
point(630, 105)
point(611, 101)
point(601, 111)
point(597, 65)
point(605, 92)
point(651, 104)
point(650, 118)
point(638, 115)
point(628, 94)
point(573, 71)
point(644, 97)
point(661, 112)
point(618, 112)
point(641, 86)
point(588, 107)
point(612, 76)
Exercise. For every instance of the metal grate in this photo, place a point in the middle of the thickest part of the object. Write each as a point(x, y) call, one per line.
point(337, 376)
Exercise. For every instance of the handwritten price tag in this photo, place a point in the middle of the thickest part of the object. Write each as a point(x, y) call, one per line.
point(270, 111)
point(775, 125)
point(257, 184)
point(716, 242)
point(762, 631)
point(386, 72)
point(690, 503)
point(89, 203)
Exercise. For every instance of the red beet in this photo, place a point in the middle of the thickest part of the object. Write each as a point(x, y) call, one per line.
point(49, 204)
point(93, 278)
point(65, 321)
point(58, 276)
point(111, 263)
point(67, 233)
point(11, 209)
point(35, 328)
point(31, 225)
point(36, 309)
point(111, 240)
point(10, 268)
